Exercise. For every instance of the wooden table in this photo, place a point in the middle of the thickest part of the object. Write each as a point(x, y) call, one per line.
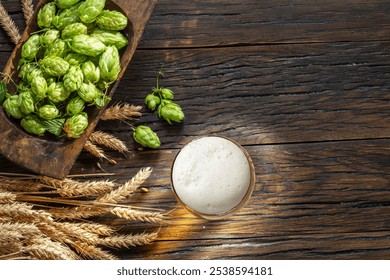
point(304, 86)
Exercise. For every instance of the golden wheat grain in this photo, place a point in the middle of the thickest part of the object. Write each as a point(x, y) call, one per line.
point(46, 249)
point(73, 188)
point(76, 232)
point(28, 9)
point(126, 189)
point(26, 230)
point(91, 252)
point(136, 215)
point(72, 213)
point(126, 241)
point(121, 111)
point(7, 197)
point(108, 140)
point(97, 152)
point(100, 229)
point(9, 25)
point(18, 185)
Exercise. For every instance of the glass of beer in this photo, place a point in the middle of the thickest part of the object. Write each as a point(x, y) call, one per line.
point(213, 177)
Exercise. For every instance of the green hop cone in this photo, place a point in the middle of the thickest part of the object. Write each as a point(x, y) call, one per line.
point(48, 112)
point(87, 45)
point(152, 101)
point(11, 106)
point(49, 37)
point(75, 106)
point(170, 111)
point(73, 29)
point(46, 15)
point(109, 64)
point(145, 136)
point(33, 73)
point(57, 48)
point(54, 66)
point(56, 92)
point(111, 20)
point(63, 4)
point(166, 93)
point(75, 58)
point(30, 48)
point(110, 38)
point(39, 87)
point(73, 78)
point(91, 72)
point(26, 103)
point(32, 124)
point(76, 125)
point(66, 17)
point(25, 69)
point(89, 92)
point(90, 9)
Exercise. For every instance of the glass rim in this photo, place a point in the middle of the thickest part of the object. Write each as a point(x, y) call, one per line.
point(245, 198)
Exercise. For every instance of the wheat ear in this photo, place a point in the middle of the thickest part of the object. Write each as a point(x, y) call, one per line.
point(96, 151)
point(136, 215)
point(108, 140)
point(121, 111)
point(28, 9)
point(126, 241)
point(128, 188)
point(9, 25)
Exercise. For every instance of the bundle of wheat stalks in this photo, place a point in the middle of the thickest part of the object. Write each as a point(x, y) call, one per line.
point(45, 218)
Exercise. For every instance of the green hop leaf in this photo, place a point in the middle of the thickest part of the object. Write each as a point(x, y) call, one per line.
point(110, 38)
point(111, 20)
point(54, 126)
point(109, 64)
point(170, 111)
point(90, 9)
point(76, 125)
point(75, 106)
point(11, 106)
point(48, 112)
point(87, 45)
point(145, 136)
point(46, 15)
point(32, 124)
point(54, 65)
point(152, 101)
point(73, 78)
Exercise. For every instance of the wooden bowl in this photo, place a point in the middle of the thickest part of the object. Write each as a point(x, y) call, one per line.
point(54, 157)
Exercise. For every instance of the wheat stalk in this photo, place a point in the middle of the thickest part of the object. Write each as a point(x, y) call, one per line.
point(108, 140)
point(128, 188)
point(126, 241)
point(18, 185)
point(121, 111)
point(73, 188)
point(96, 151)
point(76, 212)
point(46, 249)
point(136, 215)
point(28, 9)
point(9, 25)
point(92, 252)
point(99, 229)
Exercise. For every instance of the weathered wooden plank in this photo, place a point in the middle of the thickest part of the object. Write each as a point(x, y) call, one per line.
point(178, 23)
point(268, 94)
point(373, 245)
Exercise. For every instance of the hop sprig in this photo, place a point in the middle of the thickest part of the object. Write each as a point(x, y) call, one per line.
point(161, 99)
